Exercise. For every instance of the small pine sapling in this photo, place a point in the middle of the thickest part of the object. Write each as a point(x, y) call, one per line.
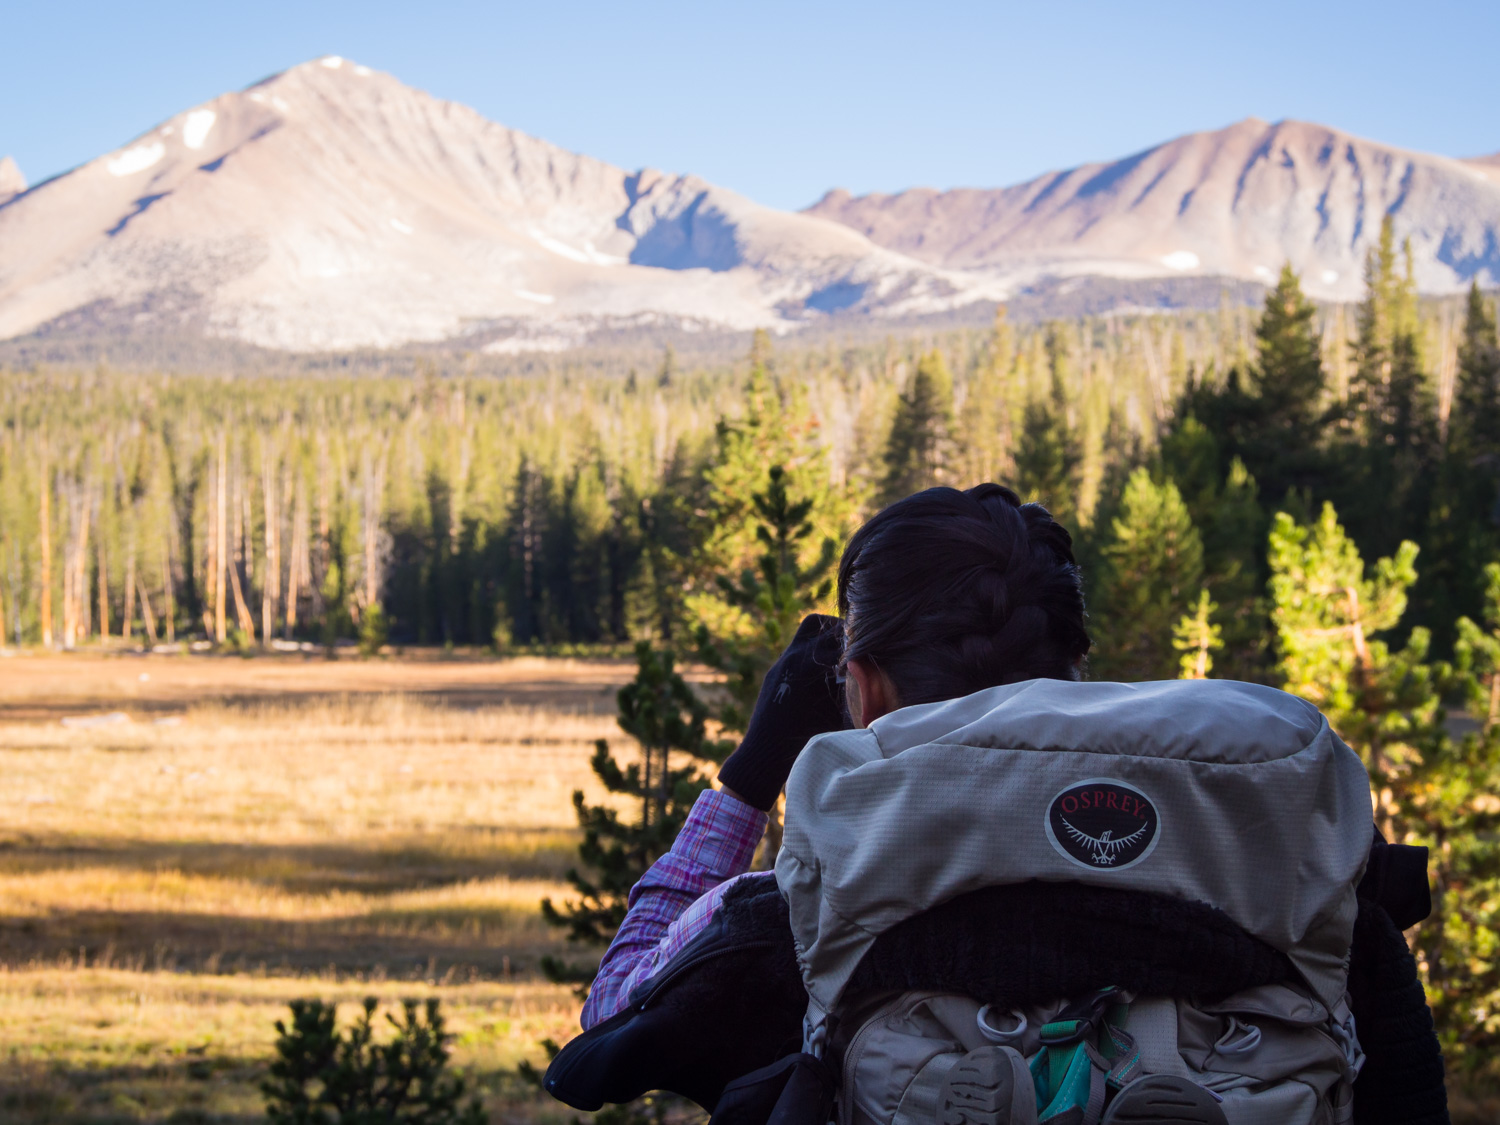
point(321, 1076)
point(777, 594)
point(373, 630)
point(1197, 637)
point(661, 712)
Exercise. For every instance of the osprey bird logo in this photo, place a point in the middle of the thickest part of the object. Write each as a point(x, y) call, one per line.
point(1102, 824)
point(1104, 845)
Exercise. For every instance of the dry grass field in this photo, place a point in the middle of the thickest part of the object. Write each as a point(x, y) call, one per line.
point(187, 843)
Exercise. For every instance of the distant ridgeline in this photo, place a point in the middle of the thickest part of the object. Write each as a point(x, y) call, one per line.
point(582, 508)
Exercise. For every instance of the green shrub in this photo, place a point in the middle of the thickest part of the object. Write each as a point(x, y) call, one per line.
point(372, 630)
point(322, 1076)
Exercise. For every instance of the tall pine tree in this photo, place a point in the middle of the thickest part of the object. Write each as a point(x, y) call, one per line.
point(920, 445)
point(1272, 414)
point(984, 423)
point(777, 426)
point(1464, 531)
point(1390, 457)
point(776, 594)
point(1283, 451)
point(1475, 424)
point(1225, 510)
point(1048, 455)
point(1428, 787)
point(1327, 613)
point(1153, 571)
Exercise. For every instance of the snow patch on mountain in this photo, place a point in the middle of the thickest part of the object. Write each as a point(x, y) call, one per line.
point(137, 159)
point(195, 128)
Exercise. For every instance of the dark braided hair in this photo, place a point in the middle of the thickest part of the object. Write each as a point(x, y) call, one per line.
point(948, 592)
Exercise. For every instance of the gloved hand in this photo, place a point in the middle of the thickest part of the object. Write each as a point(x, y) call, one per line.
point(799, 698)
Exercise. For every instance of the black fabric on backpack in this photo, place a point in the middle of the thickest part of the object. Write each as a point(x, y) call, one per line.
point(796, 1090)
point(1402, 1080)
point(1396, 878)
point(1028, 943)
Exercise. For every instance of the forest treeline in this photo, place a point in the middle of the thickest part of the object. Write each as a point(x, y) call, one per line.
point(568, 509)
point(575, 510)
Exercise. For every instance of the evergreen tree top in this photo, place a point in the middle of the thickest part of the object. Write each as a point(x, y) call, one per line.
point(1289, 367)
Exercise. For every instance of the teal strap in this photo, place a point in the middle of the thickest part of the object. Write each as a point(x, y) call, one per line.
point(1082, 1059)
point(1065, 1078)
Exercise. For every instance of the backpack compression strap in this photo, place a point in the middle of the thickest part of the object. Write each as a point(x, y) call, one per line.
point(1085, 1053)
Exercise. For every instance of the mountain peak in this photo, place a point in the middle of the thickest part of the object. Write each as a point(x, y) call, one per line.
point(11, 180)
point(1234, 202)
point(331, 206)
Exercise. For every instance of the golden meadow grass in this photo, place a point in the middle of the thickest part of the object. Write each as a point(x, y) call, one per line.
point(295, 828)
point(266, 829)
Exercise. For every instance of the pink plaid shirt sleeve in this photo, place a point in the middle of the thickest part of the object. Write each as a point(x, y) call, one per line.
point(675, 899)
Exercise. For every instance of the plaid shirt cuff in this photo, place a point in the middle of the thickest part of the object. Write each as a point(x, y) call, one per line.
point(716, 843)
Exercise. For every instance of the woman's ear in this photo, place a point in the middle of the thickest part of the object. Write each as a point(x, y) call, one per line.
point(870, 692)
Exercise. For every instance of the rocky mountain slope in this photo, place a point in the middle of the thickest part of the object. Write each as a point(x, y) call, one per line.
point(11, 180)
point(1237, 202)
point(332, 207)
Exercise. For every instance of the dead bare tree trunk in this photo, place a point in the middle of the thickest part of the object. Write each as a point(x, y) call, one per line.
point(126, 625)
point(299, 567)
point(81, 587)
point(317, 576)
point(374, 482)
point(169, 603)
point(246, 535)
point(241, 610)
point(147, 617)
point(270, 587)
point(70, 571)
point(221, 536)
point(45, 517)
point(103, 585)
point(75, 569)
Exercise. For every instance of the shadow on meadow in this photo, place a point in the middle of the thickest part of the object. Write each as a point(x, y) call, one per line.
point(200, 1088)
point(460, 854)
point(442, 946)
point(461, 906)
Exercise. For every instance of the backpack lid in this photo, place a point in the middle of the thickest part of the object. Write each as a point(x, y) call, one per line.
point(1233, 794)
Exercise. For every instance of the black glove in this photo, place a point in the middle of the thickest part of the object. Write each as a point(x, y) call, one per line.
point(799, 698)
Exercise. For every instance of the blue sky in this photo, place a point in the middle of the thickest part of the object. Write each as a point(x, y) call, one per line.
point(783, 100)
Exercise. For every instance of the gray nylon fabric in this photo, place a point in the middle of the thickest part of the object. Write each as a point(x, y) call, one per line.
point(1266, 1051)
point(1263, 813)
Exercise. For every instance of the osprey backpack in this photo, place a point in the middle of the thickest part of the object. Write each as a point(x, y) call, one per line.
point(1227, 794)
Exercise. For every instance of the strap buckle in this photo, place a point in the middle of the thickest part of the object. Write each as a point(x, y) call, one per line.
point(1080, 1018)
